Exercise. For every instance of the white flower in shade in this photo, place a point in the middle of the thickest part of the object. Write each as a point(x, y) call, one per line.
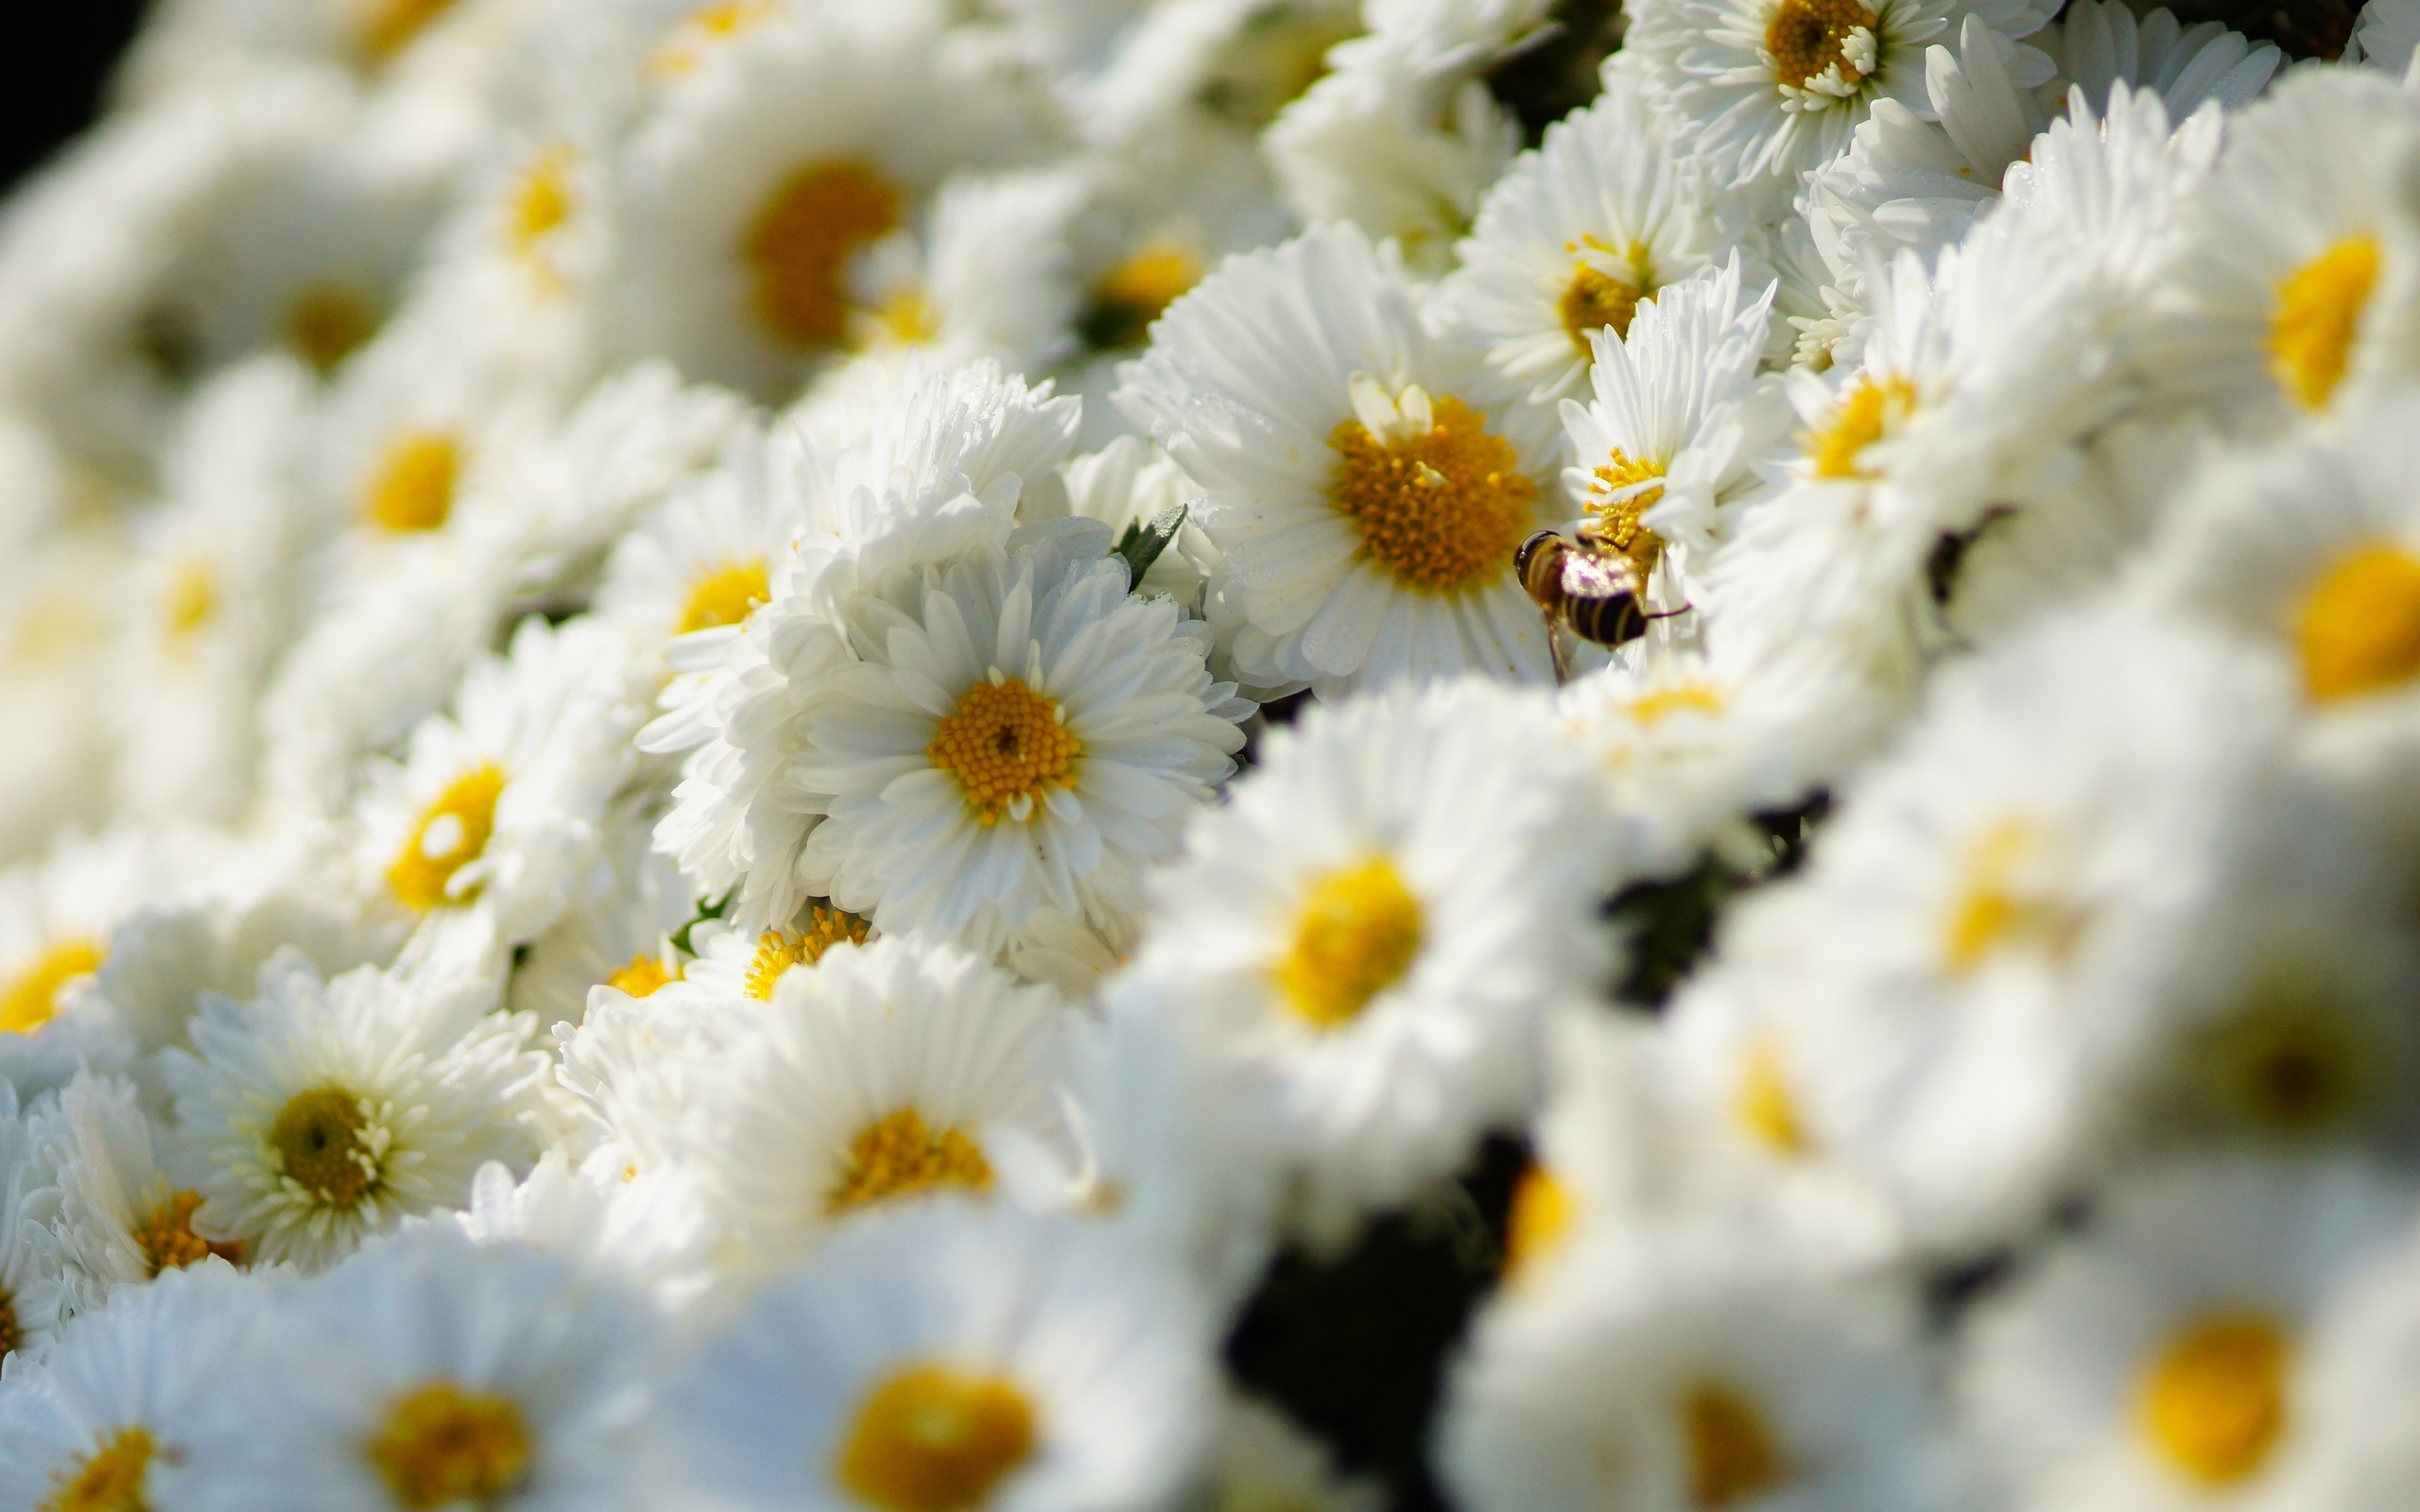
point(2162, 1358)
point(96, 1201)
point(989, 277)
point(1263, 1463)
point(2385, 35)
point(2011, 906)
point(61, 595)
point(949, 1358)
point(319, 1113)
point(1205, 69)
point(129, 1407)
point(1767, 90)
point(648, 1229)
point(429, 1371)
point(495, 814)
point(1363, 940)
point(894, 1071)
point(2300, 265)
point(1604, 213)
point(757, 183)
point(33, 1290)
point(2101, 43)
point(1365, 501)
point(1008, 733)
point(419, 44)
point(1665, 1367)
point(2358, 1390)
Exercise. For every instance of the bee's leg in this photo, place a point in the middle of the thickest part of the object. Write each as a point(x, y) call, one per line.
point(1559, 648)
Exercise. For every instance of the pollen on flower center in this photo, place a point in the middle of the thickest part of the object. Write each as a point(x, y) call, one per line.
point(2212, 1402)
point(1996, 909)
point(799, 246)
point(449, 836)
point(1868, 412)
point(1732, 1458)
point(2359, 631)
point(1808, 37)
point(10, 1336)
point(2319, 314)
point(111, 1479)
point(317, 1139)
point(643, 978)
point(413, 487)
point(31, 996)
point(326, 323)
point(392, 25)
point(778, 950)
point(896, 1155)
point(1597, 296)
point(1542, 1214)
point(1618, 520)
point(928, 1438)
point(1762, 1102)
point(1681, 697)
point(725, 597)
point(167, 1238)
point(541, 204)
point(1136, 293)
point(1356, 934)
point(1441, 507)
point(440, 1445)
point(1007, 746)
point(192, 598)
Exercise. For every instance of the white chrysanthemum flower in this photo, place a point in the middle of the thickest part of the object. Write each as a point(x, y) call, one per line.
point(97, 1202)
point(2300, 267)
point(1130, 484)
point(2015, 905)
point(318, 1114)
point(1195, 69)
point(991, 277)
point(752, 189)
point(649, 1231)
point(61, 598)
point(495, 814)
point(2358, 1391)
point(950, 1358)
point(2385, 35)
point(1604, 213)
point(2101, 43)
point(1363, 940)
point(2161, 1359)
point(429, 1371)
point(726, 964)
point(421, 45)
point(703, 560)
point(131, 1406)
point(893, 1071)
point(33, 1290)
point(1767, 90)
point(1366, 502)
point(619, 927)
point(1665, 1367)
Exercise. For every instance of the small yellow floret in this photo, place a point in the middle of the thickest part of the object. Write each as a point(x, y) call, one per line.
point(928, 1438)
point(451, 834)
point(1867, 413)
point(2213, 1403)
point(725, 597)
point(112, 1480)
point(643, 978)
point(542, 203)
point(390, 25)
point(1732, 1458)
point(1762, 1102)
point(797, 248)
point(318, 1142)
point(1356, 934)
point(1994, 911)
point(2318, 315)
point(168, 1241)
point(1544, 1211)
point(1806, 37)
point(2359, 629)
point(412, 488)
point(1595, 298)
point(1681, 697)
point(778, 950)
point(1138, 292)
point(1007, 746)
point(442, 1444)
point(896, 1155)
point(192, 598)
point(1441, 512)
point(31, 996)
point(684, 46)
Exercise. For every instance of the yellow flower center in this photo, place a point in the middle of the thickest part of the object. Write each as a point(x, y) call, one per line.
point(1867, 413)
point(192, 598)
point(684, 46)
point(1997, 908)
point(318, 1140)
point(1599, 297)
point(1279, 53)
point(2291, 1065)
point(1138, 292)
point(413, 487)
point(797, 248)
point(905, 318)
point(169, 1241)
point(449, 836)
point(928, 1438)
point(1616, 523)
point(2213, 1403)
point(440, 1445)
point(2318, 315)
point(1542, 1214)
point(643, 978)
point(778, 950)
point(31, 996)
point(326, 323)
point(1681, 697)
point(1440, 510)
point(390, 25)
point(111, 1479)
point(1806, 37)
point(1732, 1458)
point(725, 597)
point(1007, 746)
point(1762, 1102)
point(896, 1155)
point(2359, 629)
point(1357, 932)
point(541, 204)
point(9, 1333)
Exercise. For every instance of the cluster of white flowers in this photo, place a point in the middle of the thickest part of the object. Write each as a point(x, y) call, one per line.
point(802, 753)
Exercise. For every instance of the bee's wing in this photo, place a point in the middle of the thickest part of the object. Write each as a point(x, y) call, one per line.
point(1593, 574)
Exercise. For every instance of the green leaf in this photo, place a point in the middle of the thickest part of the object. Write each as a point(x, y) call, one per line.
point(705, 911)
point(1141, 543)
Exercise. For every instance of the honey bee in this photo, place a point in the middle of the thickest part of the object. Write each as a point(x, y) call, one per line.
point(1585, 586)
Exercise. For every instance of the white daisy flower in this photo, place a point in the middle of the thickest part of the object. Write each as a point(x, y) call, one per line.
point(61, 598)
point(2385, 35)
point(2101, 43)
point(1675, 1367)
point(618, 929)
point(726, 964)
point(703, 559)
point(950, 1358)
point(429, 1371)
point(1363, 940)
point(33, 1290)
point(426, 42)
point(1366, 502)
point(1197, 68)
point(892, 1071)
point(495, 814)
point(319, 1113)
point(1767, 90)
point(2161, 1360)
point(1602, 216)
point(131, 1406)
point(2357, 1391)
point(649, 1231)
